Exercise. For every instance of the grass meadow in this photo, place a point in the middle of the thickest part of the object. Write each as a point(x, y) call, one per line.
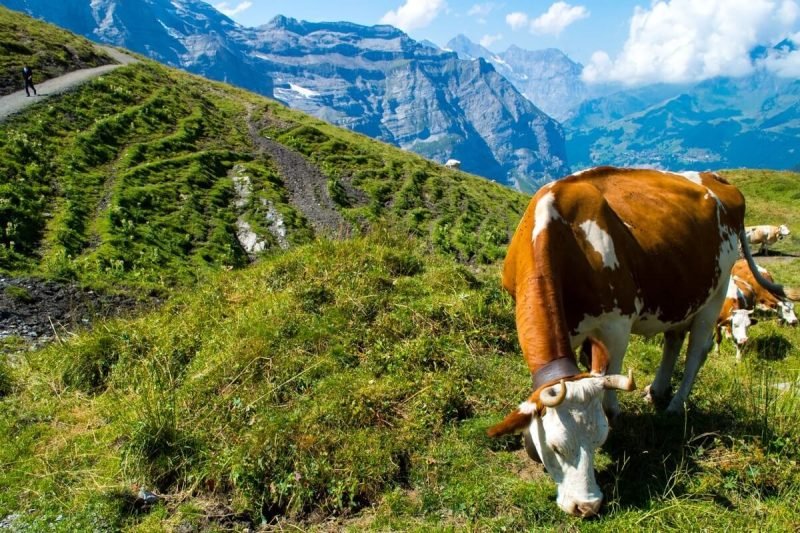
point(348, 385)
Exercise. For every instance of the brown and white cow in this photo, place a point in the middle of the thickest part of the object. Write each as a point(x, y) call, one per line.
point(744, 295)
point(734, 317)
point(764, 299)
point(765, 236)
point(602, 255)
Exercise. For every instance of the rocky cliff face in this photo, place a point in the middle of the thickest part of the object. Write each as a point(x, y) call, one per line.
point(548, 78)
point(378, 81)
point(189, 34)
point(375, 80)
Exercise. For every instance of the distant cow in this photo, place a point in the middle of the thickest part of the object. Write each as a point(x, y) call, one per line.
point(453, 163)
point(734, 317)
point(764, 299)
point(599, 256)
point(765, 236)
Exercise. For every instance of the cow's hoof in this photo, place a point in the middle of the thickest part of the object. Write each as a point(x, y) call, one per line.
point(659, 401)
point(675, 408)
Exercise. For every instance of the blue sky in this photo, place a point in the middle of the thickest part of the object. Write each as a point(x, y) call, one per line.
point(632, 41)
point(475, 19)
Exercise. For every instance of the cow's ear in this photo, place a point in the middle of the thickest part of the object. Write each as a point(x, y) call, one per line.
point(599, 357)
point(753, 321)
point(514, 422)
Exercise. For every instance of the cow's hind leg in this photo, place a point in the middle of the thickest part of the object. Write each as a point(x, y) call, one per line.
point(701, 337)
point(658, 393)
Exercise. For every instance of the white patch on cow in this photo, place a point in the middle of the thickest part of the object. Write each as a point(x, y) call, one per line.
point(527, 408)
point(786, 312)
point(545, 212)
point(601, 242)
point(584, 171)
point(566, 438)
point(649, 323)
point(731, 293)
point(608, 321)
point(761, 269)
point(692, 176)
point(783, 230)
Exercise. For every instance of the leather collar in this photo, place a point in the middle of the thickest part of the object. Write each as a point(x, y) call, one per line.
point(563, 367)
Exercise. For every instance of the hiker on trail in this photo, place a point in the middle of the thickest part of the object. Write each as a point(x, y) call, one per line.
point(27, 73)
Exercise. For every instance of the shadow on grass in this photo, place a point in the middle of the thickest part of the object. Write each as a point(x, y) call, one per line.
point(652, 454)
point(772, 347)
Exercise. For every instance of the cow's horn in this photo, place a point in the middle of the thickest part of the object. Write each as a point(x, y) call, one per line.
point(618, 381)
point(552, 401)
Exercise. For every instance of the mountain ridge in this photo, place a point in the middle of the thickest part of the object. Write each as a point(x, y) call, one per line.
point(391, 87)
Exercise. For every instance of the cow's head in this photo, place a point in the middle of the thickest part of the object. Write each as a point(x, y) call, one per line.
point(740, 320)
point(783, 231)
point(786, 312)
point(565, 423)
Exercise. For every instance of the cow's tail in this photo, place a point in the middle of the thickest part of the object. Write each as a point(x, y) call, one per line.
point(777, 289)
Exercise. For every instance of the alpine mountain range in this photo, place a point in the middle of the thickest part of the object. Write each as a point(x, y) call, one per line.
point(519, 117)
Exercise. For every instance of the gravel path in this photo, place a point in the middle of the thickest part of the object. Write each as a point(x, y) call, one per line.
point(16, 102)
point(33, 309)
point(306, 184)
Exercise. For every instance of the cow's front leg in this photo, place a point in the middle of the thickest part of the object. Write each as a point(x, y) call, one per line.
point(659, 392)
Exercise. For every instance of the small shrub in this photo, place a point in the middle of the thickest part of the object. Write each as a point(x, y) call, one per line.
point(20, 294)
point(403, 264)
point(6, 379)
point(90, 362)
point(337, 192)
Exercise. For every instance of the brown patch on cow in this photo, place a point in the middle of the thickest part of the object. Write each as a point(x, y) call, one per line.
point(514, 422)
point(762, 296)
point(599, 357)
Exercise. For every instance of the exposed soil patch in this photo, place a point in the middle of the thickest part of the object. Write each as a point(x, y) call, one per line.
point(38, 310)
point(306, 184)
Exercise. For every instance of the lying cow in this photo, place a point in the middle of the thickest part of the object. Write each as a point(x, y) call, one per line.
point(764, 299)
point(599, 256)
point(453, 163)
point(734, 318)
point(765, 236)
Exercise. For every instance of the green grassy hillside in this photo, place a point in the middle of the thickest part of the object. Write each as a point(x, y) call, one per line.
point(131, 180)
point(354, 382)
point(47, 49)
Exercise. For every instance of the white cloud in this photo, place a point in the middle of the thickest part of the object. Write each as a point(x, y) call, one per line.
point(517, 20)
point(231, 11)
point(488, 40)
point(414, 14)
point(678, 41)
point(481, 10)
point(559, 16)
point(785, 62)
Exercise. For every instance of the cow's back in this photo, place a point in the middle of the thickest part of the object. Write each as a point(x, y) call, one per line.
point(762, 296)
point(666, 233)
